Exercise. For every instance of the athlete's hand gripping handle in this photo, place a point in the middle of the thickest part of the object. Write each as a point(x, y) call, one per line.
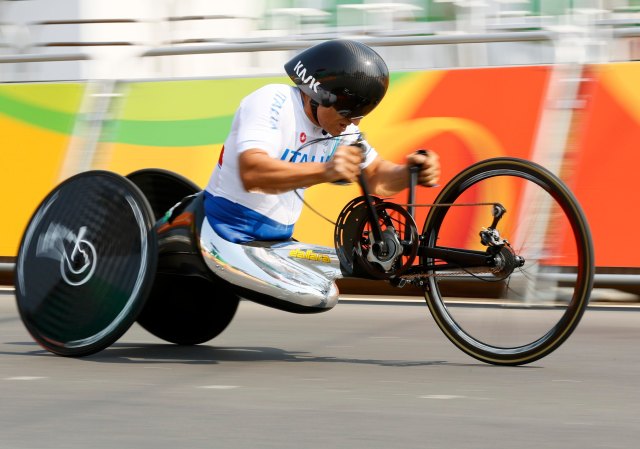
point(414, 170)
point(358, 143)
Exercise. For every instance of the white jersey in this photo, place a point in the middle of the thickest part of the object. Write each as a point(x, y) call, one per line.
point(273, 119)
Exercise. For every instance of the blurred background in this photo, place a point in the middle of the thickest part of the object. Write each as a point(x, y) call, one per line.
point(123, 85)
point(99, 39)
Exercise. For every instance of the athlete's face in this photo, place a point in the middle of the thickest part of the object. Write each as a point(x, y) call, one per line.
point(334, 123)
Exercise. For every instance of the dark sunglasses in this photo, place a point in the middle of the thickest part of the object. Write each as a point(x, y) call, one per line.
point(352, 106)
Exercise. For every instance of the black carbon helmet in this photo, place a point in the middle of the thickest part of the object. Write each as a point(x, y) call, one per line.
point(345, 74)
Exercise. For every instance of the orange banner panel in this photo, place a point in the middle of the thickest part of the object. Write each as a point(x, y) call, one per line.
point(607, 157)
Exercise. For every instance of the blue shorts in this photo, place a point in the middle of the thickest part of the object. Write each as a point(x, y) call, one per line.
point(239, 224)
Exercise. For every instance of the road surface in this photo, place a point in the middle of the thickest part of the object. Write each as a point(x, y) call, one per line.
point(359, 376)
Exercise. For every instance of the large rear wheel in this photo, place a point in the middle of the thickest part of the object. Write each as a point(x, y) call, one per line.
point(188, 310)
point(183, 307)
point(86, 263)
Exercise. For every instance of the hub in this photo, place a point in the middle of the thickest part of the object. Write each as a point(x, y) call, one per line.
point(505, 262)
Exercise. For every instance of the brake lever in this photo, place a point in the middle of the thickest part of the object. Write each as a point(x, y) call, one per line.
point(414, 170)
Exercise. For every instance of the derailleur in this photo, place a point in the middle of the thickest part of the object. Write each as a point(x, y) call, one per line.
point(505, 260)
point(490, 236)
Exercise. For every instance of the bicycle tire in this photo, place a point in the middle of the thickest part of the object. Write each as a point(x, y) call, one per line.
point(528, 314)
point(182, 308)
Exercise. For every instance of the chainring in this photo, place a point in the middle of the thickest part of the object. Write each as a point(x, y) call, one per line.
point(359, 255)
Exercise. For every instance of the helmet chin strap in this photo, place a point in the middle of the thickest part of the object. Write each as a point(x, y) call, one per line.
point(314, 110)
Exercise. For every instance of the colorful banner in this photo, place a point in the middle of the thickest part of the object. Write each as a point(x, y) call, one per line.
point(606, 153)
point(463, 115)
point(36, 125)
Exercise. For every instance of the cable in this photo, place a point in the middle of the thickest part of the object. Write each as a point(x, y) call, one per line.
point(305, 145)
point(312, 209)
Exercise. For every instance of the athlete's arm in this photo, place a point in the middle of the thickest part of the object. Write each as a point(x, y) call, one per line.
point(262, 173)
point(386, 178)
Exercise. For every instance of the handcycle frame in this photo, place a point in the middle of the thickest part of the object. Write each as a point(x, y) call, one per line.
point(192, 279)
point(311, 269)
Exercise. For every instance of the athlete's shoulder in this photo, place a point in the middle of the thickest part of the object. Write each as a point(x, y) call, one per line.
point(271, 106)
point(271, 92)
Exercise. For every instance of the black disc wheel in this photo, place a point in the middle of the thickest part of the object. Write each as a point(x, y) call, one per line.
point(188, 310)
point(182, 308)
point(162, 188)
point(537, 287)
point(86, 263)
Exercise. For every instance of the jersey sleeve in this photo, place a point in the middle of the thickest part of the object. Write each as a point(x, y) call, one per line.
point(262, 118)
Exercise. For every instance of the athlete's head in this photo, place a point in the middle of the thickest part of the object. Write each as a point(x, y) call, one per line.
point(345, 75)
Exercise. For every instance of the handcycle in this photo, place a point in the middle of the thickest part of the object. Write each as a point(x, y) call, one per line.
point(103, 251)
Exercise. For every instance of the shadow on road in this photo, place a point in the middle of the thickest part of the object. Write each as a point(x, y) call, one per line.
point(150, 354)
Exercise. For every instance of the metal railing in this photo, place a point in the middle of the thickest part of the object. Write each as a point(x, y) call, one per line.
point(250, 45)
point(43, 57)
point(235, 46)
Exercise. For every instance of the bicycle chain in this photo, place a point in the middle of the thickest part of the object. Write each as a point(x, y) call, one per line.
point(446, 204)
point(418, 276)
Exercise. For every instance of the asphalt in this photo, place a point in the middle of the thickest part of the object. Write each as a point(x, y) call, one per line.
point(367, 374)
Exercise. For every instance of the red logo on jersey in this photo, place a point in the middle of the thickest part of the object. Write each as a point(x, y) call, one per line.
point(221, 157)
point(303, 137)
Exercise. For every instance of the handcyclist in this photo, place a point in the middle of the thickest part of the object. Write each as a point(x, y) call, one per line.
point(285, 138)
